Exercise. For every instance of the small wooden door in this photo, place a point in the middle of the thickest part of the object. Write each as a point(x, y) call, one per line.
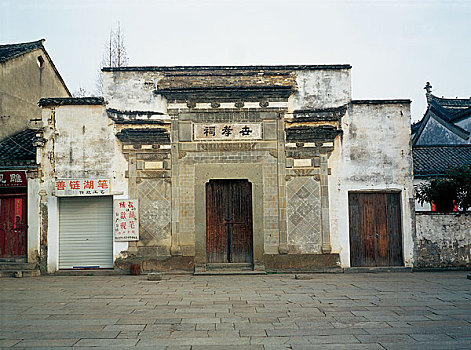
point(13, 226)
point(375, 229)
point(229, 221)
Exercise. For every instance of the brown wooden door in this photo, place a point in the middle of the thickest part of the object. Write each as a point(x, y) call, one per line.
point(375, 229)
point(229, 221)
point(13, 226)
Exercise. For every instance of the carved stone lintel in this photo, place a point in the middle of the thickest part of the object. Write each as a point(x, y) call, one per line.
point(239, 104)
point(215, 104)
point(220, 147)
point(190, 104)
point(303, 172)
point(264, 104)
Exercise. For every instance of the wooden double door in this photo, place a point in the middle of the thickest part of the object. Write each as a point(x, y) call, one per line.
point(229, 234)
point(13, 226)
point(375, 229)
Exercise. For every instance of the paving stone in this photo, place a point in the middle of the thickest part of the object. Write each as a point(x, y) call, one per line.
point(46, 343)
point(354, 346)
point(107, 342)
point(428, 311)
point(227, 347)
point(385, 338)
point(8, 342)
point(437, 345)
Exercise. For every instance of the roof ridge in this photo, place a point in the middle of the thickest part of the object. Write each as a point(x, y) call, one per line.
point(441, 146)
point(10, 51)
point(39, 41)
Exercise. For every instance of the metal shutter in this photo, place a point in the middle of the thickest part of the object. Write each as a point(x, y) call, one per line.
point(85, 232)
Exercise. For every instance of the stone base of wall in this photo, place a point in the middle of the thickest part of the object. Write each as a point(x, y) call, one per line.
point(443, 240)
point(157, 264)
point(302, 263)
point(273, 263)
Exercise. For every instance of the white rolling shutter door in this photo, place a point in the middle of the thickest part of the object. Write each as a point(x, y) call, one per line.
point(85, 232)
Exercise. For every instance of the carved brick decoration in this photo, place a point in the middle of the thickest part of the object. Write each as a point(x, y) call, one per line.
point(304, 214)
point(154, 210)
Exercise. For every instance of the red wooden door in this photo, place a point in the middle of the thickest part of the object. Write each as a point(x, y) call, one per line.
point(229, 221)
point(375, 229)
point(13, 226)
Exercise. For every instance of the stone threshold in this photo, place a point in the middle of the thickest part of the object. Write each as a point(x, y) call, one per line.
point(377, 269)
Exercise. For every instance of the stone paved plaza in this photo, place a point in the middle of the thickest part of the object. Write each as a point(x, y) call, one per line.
point(323, 311)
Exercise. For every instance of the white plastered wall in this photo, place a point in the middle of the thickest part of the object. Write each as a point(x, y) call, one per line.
point(81, 144)
point(373, 154)
point(33, 235)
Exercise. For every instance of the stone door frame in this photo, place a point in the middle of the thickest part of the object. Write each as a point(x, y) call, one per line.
point(240, 171)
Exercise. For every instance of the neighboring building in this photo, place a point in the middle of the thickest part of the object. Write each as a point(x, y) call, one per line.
point(258, 167)
point(441, 139)
point(26, 74)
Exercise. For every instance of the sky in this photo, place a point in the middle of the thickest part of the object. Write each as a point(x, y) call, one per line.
point(394, 47)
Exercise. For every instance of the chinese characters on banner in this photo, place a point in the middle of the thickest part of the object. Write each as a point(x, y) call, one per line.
point(228, 131)
point(126, 220)
point(82, 187)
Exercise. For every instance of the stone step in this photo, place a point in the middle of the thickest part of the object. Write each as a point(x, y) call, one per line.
point(90, 272)
point(17, 266)
point(225, 266)
point(377, 269)
point(18, 260)
point(228, 272)
point(20, 273)
point(228, 269)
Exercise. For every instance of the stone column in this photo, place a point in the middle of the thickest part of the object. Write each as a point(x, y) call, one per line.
point(175, 248)
point(325, 222)
point(283, 237)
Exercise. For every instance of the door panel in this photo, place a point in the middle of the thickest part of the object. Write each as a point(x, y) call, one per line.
point(375, 229)
point(13, 226)
point(229, 221)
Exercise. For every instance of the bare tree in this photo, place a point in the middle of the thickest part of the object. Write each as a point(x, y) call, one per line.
point(81, 92)
point(114, 55)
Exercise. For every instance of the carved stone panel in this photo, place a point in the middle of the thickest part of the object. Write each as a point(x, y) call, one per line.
point(304, 214)
point(155, 211)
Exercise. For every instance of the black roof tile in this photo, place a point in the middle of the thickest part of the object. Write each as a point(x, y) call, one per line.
point(9, 51)
point(436, 160)
point(61, 101)
point(18, 149)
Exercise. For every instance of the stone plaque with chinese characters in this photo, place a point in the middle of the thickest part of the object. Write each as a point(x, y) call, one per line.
point(126, 220)
point(82, 187)
point(227, 131)
point(13, 179)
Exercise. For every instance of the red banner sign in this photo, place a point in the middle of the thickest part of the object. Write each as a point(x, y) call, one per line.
point(12, 179)
point(82, 187)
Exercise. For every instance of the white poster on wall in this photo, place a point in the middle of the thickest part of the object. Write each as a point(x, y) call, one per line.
point(126, 220)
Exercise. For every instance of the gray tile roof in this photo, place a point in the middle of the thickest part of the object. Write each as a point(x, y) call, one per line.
point(18, 149)
point(436, 160)
point(9, 51)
